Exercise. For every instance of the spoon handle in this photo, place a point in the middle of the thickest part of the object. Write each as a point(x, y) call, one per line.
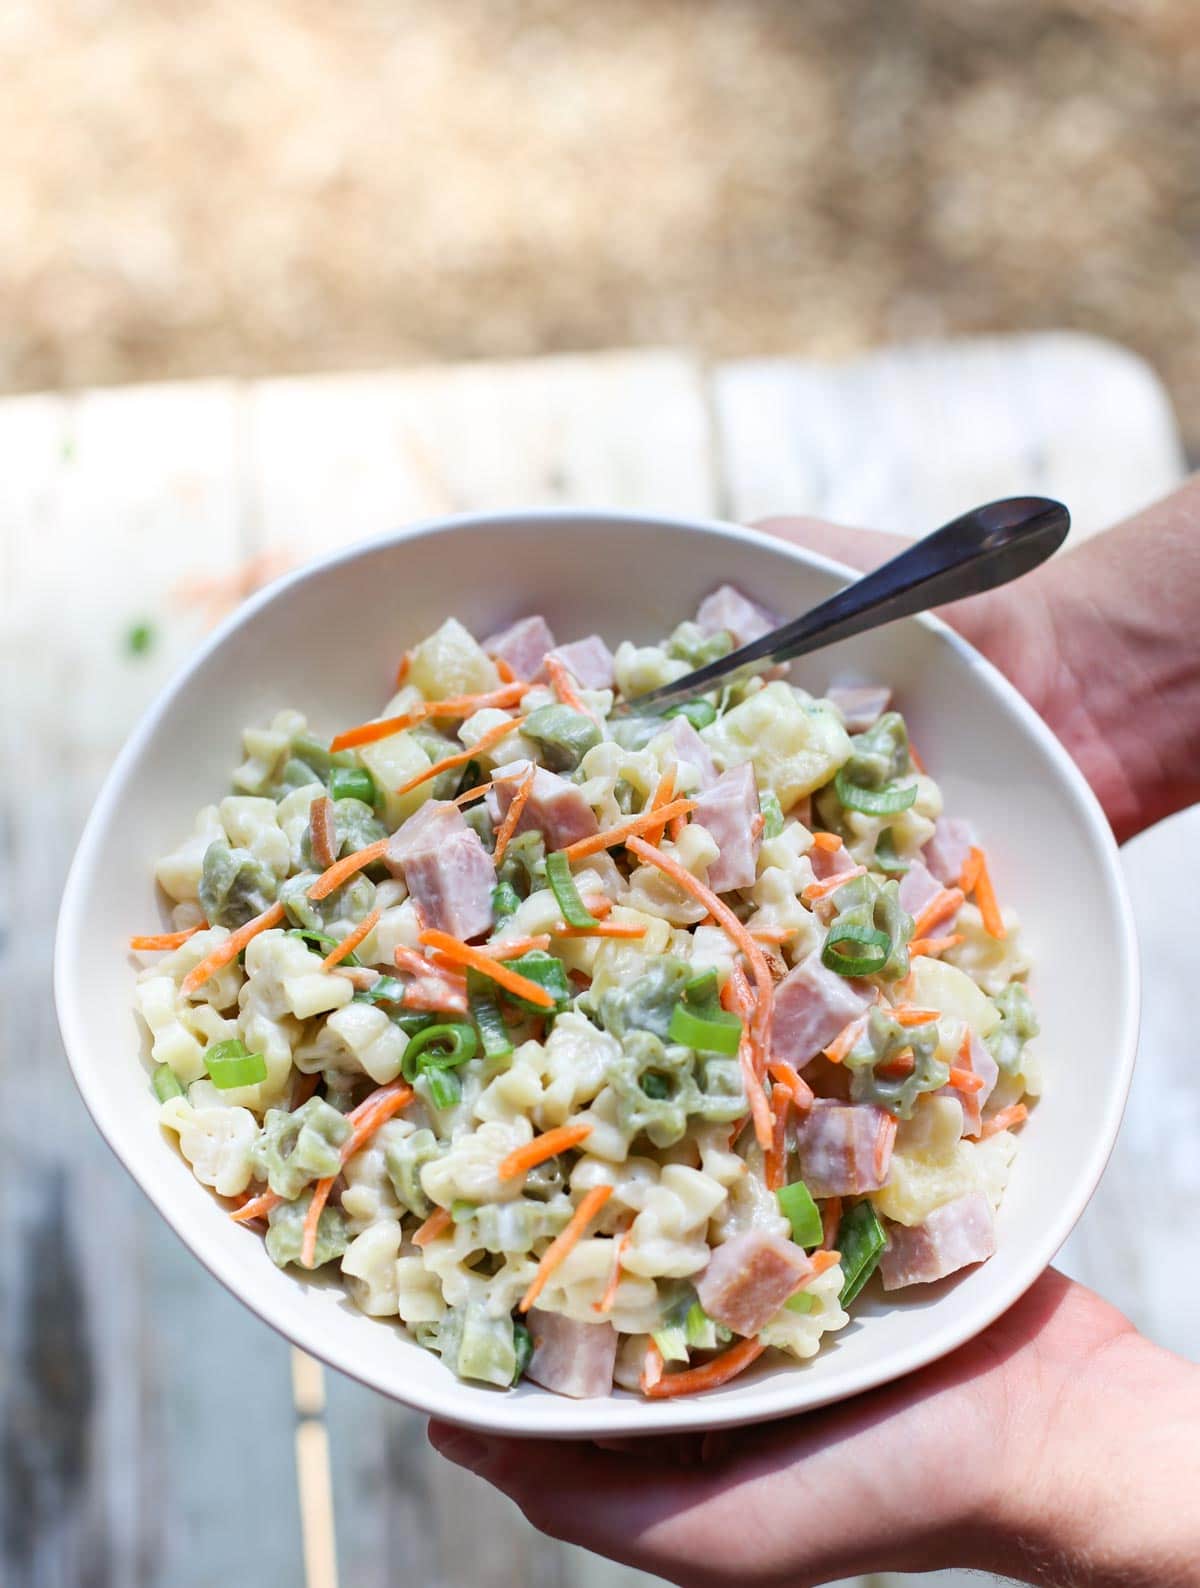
point(984, 548)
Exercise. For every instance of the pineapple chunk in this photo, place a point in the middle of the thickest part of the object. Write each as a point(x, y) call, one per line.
point(450, 663)
point(391, 762)
point(795, 745)
point(937, 985)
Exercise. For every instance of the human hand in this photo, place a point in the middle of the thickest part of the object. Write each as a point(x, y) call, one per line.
point(1057, 1446)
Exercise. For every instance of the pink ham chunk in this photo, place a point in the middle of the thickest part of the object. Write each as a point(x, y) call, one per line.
point(590, 662)
point(845, 1148)
point(749, 1278)
point(523, 645)
point(952, 1237)
point(729, 811)
point(918, 886)
point(861, 705)
point(812, 1004)
point(741, 618)
point(570, 1358)
point(946, 852)
point(687, 745)
point(985, 1066)
point(828, 863)
point(446, 869)
point(556, 808)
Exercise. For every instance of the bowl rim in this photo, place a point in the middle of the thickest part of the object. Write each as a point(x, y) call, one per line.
point(757, 1400)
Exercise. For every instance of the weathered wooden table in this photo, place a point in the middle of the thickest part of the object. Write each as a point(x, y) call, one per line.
point(152, 1432)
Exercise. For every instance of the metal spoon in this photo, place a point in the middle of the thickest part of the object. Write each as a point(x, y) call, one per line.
point(986, 547)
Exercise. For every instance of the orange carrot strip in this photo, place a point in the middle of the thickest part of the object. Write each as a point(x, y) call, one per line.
point(507, 676)
point(485, 742)
point(563, 686)
point(652, 1368)
point(939, 907)
point(933, 945)
point(1014, 1114)
point(342, 870)
point(625, 831)
point(969, 874)
point(404, 668)
point(711, 1376)
point(514, 947)
point(822, 1261)
point(826, 841)
point(910, 1015)
point(775, 1164)
point(629, 929)
point(663, 795)
point(821, 890)
point(965, 1080)
point(257, 1207)
point(563, 1243)
point(801, 1092)
point(351, 941)
point(366, 1118)
point(436, 1224)
point(312, 1221)
point(846, 1039)
point(154, 940)
point(675, 828)
point(229, 949)
point(831, 1218)
point(904, 1063)
point(464, 954)
point(548, 1145)
point(607, 1300)
point(475, 793)
point(756, 1096)
point(985, 898)
point(459, 706)
point(513, 815)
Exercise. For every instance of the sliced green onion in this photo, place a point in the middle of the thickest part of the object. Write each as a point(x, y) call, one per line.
point(166, 1083)
point(387, 990)
point(886, 801)
point(798, 1208)
point(411, 1020)
point(802, 1301)
point(672, 1342)
point(461, 1211)
point(523, 1349)
point(485, 1012)
point(232, 1064)
point(445, 1088)
point(772, 813)
point(698, 712)
point(320, 940)
point(699, 1329)
point(547, 972)
point(440, 1047)
point(877, 948)
point(352, 783)
point(506, 901)
point(886, 857)
point(861, 1241)
point(702, 989)
point(558, 875)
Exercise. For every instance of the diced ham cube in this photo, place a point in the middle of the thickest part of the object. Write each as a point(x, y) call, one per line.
point(687, 745)
point(729, 811)
point(812, 1004)
point(918, 886)
point(985, 1066)
point(749, 1278)
point(828, 863)
point(556, 808)
point(946, 852)
point(589, 661)
point(446, 869)
point(845, 1148)
point(728, 609)
point(952, 1237)
point(570, 1358)
point(861, 705)
point(523, 645)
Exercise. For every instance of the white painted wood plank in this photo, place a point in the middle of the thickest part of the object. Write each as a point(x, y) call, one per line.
point(906, 439)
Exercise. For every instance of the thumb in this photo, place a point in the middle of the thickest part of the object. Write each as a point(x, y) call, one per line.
point(863, 549)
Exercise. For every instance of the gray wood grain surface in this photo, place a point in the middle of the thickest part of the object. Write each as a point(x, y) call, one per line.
point(148, 1423)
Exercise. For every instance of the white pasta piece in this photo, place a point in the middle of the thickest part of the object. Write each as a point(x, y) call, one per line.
point(179, 872)
point(609, 1139)
point(368, 1194)
point(993, 1159)
point(718, 1161)
point(750, 1206)
point(607, 764)
point(512, 747)
point(576, 1057)
point(581, 1280)
point(468, 1172)
point(215, 1141)
point(450, 1259)
point(418, 1293)
point(288, 978)
point(157, 1001)
point(774, 894)
point(516, 1092)
point(990, 962)
point(619, 962)
point(708, 948)
point(187, 914)
point(911, 830)
point(253, 824)
point(799, 1333)
point(640, 668)
point(789, 852)
point(669, 1237)
point(656, 894)
point(360, 1038)
point(399, 927)
point(221, 989)
point(631, 1360)
point(266, 750)
point(632, 1183)
point(293, 813)
point(371, 1264)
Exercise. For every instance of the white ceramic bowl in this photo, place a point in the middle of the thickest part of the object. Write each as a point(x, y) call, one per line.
point(326, 640)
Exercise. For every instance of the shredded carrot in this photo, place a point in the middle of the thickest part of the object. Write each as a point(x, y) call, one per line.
point(507, 676)
point(846, 1038)
point(514, 947)
point(438, 1222)
point(433, 997)
point(663, 795)
point(826, 841)
point(942, 904)
point(627, 830)
point(775, 1164)
point(351, 941)
point(652, 1368)
point(712, 1375)
point(366, 1119)
point(822, 890)
point(965, 1080)
point(349, 866)
point(933, 945)
point(598, 904)
point(629, 929)
point(459, 706)
point(822, 1261)
point(801, 1092)
point(733, 928)
point(564, 688)
point(256, 1208)
point(512, 816)
point(831, 1218)
point(464, 954)
point(884, 1143)
point(155, 940)
point(756, 1095)
point(675, 828)
point(1006, 1119)
point(416, 964)
point(485, 742)
point(312, 1221)
point(229, 949)
point(562, 1243)
point(475, 793)
point(772, 934)
point(548, 1145)
point(985, 898)
point(910, 1015)
point(608, 1299)
point(903, 1063)
point(969, 874)
point(404, 669)
point(322, 832)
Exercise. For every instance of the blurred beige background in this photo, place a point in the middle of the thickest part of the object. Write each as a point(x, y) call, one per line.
point(272, 185)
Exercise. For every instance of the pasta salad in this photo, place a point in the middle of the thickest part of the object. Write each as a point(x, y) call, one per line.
point(595, 1047)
